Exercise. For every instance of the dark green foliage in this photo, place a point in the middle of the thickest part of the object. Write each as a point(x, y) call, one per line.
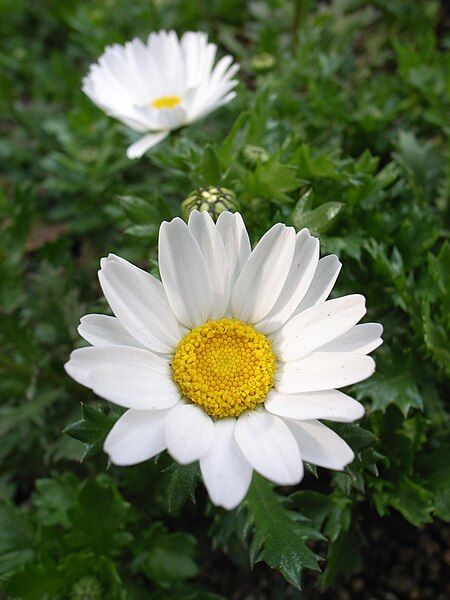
point(339, 125)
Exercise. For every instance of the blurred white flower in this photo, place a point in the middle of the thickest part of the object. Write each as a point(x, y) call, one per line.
point(161, 85)
point(231, 358)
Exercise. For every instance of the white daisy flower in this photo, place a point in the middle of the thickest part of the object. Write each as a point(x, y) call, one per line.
point(232, 358)
point(161, 85)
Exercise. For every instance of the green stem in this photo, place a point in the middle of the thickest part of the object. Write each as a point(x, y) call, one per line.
point(301, 8)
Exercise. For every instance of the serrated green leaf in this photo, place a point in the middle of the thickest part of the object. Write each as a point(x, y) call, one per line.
point(272, 180)
point(182, 485)
point(278, 537)
point(395, 385)
point(356, 436)
point(331, 514)
point(91, 429)
point(321, 165)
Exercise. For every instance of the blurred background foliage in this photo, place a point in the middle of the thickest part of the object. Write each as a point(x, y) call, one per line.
point(340, 125)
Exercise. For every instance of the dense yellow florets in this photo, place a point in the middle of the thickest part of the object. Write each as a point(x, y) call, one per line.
point(224, 366)
point(166, 102)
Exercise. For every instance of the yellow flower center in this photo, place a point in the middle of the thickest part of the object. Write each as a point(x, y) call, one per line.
point(225, 367)
point(166, 102)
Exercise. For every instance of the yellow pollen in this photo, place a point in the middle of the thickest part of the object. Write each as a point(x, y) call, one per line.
point(225, 367)
point(166, 102)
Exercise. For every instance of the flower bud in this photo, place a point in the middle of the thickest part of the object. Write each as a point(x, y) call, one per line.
point(261, 63)
point(254, 154)
point(212, 199)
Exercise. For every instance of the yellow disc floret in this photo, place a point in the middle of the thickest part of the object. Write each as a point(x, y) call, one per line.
point(225, 367)
point(166, 102)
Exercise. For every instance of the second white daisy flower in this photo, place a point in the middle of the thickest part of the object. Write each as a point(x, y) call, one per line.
point(231, 358)
point(161, 85)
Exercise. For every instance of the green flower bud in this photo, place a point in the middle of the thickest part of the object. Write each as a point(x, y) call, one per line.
point(87, 588)
point(214, 200)
point(254, 154)
point(261, 63)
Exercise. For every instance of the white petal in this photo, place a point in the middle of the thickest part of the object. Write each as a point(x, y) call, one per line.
point(214, 90)
point(128, 377)
point(138, 300)
point(320, 445)
point(84, 360)
point(168, 118)
point(137, 149)
point(189, 433)
point(264, 274)
point(318, 325)
point(237, 244)
point(208, 238)
point(269, 447)
point(128, 386)
point(184, 274)
point(331, 404)
point(323, 371)
point(198, 57)
point(225, 471)
point(136, 436)
point(362, 338)
point(165, 48)
point(102, 330)
point(323, 281)
point(302, 270)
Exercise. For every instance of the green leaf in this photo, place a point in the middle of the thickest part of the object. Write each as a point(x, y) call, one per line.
point(16, 539)
point(54, 497)
point(91, 429)
point(435, 469)
point(182, 485)
point(209, 167)
point(343, 558)
point(356, 436)
point(331, 514)
point(35, 582)
point(438, 266)
point(421, 161)
point(272, 180)
point(137, 209)
point(395, 384)
point(437, 338)
point(321, 165)
point(234, 140)
point(317, 220)
point(98, 518)
point(166, 558)
point(278, 535)
point(93, 576)
point(413, 501)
